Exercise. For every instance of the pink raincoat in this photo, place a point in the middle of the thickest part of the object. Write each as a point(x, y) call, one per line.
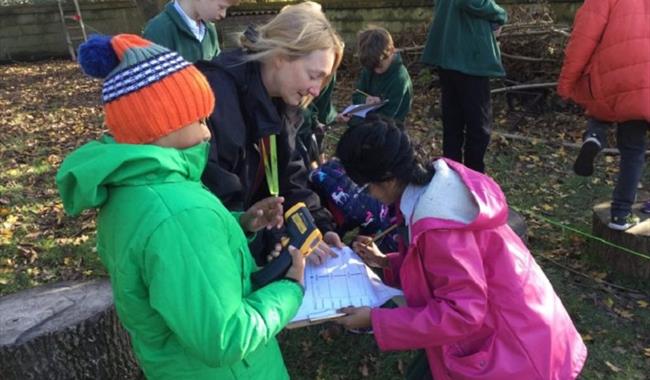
point(477, 301)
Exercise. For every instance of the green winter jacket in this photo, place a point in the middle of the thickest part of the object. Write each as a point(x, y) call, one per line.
point(319, 111)
point(461, 37)
point(170, 30)
point(394, 84)
point(322, 107)
point(179, 263)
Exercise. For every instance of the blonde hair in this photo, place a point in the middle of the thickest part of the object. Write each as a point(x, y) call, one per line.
point(297, 31)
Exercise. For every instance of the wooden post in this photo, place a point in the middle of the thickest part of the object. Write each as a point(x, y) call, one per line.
point(636, 239)
point(64, 330)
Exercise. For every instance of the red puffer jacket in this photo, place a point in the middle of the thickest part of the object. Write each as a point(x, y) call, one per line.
point(607, 60)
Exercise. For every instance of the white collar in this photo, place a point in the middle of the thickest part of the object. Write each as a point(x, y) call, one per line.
point(445, 197)
point(197, 27)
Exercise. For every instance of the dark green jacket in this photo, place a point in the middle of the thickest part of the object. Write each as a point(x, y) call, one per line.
point(461, 37)
point(179, 263)
point(394, 84)
point(170, 30)
point(319, 111)
point(323, 103)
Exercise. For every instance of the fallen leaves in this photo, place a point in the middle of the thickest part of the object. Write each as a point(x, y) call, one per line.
point(612, 367)
point(46, 110)
point(7, 229)
point(38, 134)
point(363, 369)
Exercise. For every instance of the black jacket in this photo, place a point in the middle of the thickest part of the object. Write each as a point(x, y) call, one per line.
point(243, 113)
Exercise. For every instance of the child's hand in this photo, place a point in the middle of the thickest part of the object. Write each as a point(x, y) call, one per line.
point(342, 118)
point(275, 252)
point(356, 318)
point(372, 100)
point(297, 269)
point(369, 253)
point(323, 251)
point(496, 29)
point(265, 213)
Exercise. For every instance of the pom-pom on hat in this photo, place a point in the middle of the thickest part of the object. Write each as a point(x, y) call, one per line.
point(149, 91)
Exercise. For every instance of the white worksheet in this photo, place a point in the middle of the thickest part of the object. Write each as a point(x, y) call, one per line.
point(339, 282)
point(361, 110)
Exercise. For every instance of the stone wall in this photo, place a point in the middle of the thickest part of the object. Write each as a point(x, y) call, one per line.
point(348, 17)
point(29, 32)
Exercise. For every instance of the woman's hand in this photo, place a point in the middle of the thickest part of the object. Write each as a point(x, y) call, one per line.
point(297, 269)
point(265, 213)
point(323, 251)
point(369, 253)
point(355, 318)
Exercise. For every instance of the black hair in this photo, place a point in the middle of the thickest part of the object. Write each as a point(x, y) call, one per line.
point(378, 150)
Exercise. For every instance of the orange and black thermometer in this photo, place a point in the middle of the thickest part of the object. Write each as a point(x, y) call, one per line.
point(302, 233)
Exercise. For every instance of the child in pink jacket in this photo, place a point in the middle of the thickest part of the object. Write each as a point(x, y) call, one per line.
point(476, 300)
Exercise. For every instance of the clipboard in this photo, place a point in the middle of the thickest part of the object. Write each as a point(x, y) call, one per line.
point(340, 282)
point(315, 319)
point(361, 110)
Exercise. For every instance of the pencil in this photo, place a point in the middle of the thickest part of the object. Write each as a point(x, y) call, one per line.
point(382, 234)
point(361, 92)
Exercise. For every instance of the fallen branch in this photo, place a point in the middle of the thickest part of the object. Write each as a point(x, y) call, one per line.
point(527, 25)
point(524, 87)
point(536, 140)
point(411, 48)
point(529, 59)
point(525, 34)
point(562, 32)
point(536, 33)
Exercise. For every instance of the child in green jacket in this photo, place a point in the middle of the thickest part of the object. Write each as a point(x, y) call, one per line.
point(177, 258)
point(186, 26)
point(462, 45)
point(383, 76)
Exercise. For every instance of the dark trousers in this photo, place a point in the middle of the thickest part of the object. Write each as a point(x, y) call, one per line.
point(631, 142)
point(466, 117)
point(598, 130)
point(419, 368)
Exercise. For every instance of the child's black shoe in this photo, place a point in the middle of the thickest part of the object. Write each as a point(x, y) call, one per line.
point(584, 165)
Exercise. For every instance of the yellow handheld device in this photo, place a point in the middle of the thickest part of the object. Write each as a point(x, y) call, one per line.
point(302, 233)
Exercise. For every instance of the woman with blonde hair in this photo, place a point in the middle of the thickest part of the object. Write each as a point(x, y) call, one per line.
point(262, 85)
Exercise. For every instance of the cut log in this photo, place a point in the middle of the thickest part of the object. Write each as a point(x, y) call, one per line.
point(65, 330)
point(636, 239)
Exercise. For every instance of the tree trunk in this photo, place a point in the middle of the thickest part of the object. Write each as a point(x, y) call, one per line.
point(149, 8)
point(66, 331)
point(636, 239)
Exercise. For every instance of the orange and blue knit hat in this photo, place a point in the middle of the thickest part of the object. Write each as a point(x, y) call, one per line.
point(149, 91)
